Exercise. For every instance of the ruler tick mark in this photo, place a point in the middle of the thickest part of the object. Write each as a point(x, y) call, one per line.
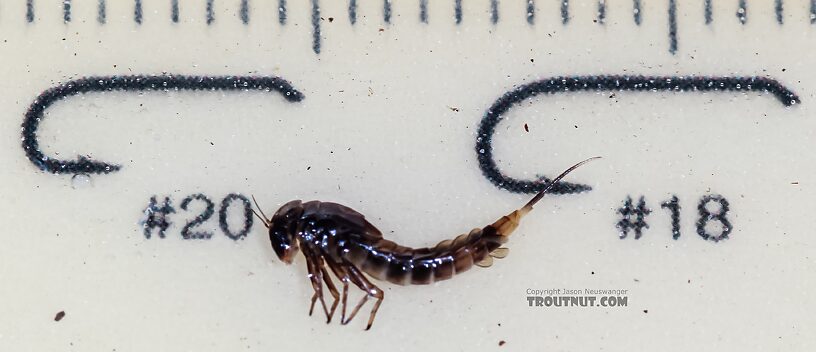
point(210, 13)
point(564, 11)
point(316, 26)
point(387, 11)
point(742, 11)
point(779, 9)
point(101, 12)
point(66, 11)
point(423, 11)
point(601, 11)
point(494, 11)
point(636, 11)
point(457, 11)
point(137, 12)
point(244, 11)
point(812, 11)
point(352, 10)
point(282, 12)
point(174, 11)
point(707, 12)
point(531, 11)
point(672, 27)
point(29, 11)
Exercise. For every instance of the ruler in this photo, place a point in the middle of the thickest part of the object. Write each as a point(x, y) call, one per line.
point(135, 133)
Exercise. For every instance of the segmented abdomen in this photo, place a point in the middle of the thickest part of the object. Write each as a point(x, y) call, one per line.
point(386, 260)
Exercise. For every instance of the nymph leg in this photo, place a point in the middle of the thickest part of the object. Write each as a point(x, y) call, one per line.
point(324, 274)
point(341, 274)
point(370, 289)
point(315, 276)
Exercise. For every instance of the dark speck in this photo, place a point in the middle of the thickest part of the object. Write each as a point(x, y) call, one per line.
point(645, 311)
point(331, 19)
point(59, 315)
point(502, 342)
point(526, 128)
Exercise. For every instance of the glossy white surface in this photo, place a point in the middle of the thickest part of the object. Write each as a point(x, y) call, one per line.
point(377, 132)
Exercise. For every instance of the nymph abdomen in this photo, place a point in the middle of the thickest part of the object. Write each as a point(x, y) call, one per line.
point(386, 260)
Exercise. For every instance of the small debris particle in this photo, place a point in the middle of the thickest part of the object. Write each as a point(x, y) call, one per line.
point(331, 19)
point(453, 108)
point(526, 128)
point(795, 182)
point(636, 280)
point(382, 29)
point(502, 342)
point(576, 126)
point(612, 96)
point(308, 168)
point(60, 315)
point(532, 60)
point(645, 311)
point(689, 281)
point(593, 273)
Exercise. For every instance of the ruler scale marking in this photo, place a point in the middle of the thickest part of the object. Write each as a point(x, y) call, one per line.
point(742, 12)
point(672, 27)
point(137, 12)
point(316, 26)
point(564, 11)
point(29, 11)
point(352, 11)
point(282, 12)
point(387, 8)
point(709, 17)
point(66, 11)
point(101, 12)
point(779, 9)
point(531, 12)
point(812, 11)
point(244, 11)
point(210, 12)
point(174, 11)
point(494, 11)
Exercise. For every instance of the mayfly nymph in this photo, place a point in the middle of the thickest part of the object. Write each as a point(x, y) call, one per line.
point(338, 237)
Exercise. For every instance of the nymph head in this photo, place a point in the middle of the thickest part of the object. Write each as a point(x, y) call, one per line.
point(282, 227)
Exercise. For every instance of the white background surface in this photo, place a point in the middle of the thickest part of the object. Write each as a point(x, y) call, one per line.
point(377, 133)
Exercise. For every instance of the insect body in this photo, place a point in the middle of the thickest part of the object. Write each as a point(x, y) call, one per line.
point(335, 236)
